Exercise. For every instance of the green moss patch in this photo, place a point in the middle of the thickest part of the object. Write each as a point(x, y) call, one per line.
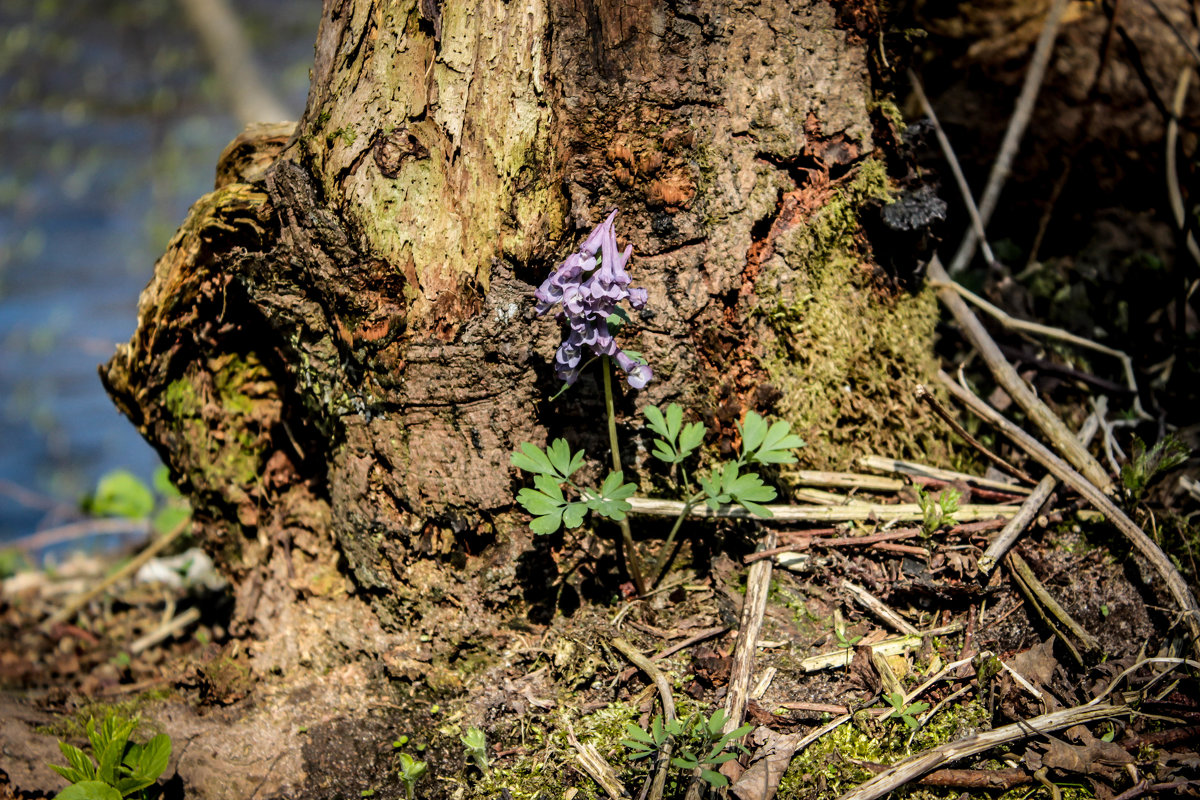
point(845, 352)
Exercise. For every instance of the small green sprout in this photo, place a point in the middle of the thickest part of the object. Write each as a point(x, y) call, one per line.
point(845, 642)
point(411, 771)
point(1144, 465)
point(907, 714)
point(939, 512)
point(121, 768)
point(701, 743)
point(476, 744)
point(552, 468)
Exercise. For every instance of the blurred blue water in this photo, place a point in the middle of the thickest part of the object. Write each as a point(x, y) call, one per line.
point(110, 127)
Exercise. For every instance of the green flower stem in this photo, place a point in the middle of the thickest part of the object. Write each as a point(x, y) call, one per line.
point(661, 563)
point(632, 562)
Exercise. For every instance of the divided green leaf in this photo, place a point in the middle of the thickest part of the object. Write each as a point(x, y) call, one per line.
point(610, 501)
point(768, 444)
point(691, 437)
point(678, 440)
point(556, 461)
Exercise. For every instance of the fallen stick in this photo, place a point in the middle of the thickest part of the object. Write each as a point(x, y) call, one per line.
point(132, 566)
point(912, 768)
point(1046, 607)
point(901, 512)
point(1045, 419)
point(758, 584)
point(926, 397)
point(596, 767)
point(831, 541)
point(1022, 113)
point(820, 497)
point(1012, 323)
point(1136, 536)
point(78, 530)
point(162, 632)
point(877, 607)
point(1030, 508)
point(895, 465)
point(843, 480)
point(887, 647)
point(654, 787)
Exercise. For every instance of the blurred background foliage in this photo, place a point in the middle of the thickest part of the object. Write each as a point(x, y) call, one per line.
point(111, 121)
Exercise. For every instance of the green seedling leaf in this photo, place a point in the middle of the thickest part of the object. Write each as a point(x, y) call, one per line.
point(674, 421)
point(134, 783)
point(89, 790)
point(639, 735)
point(151, 758)
point(691, 437)
point(711, 485)
point(1144, 464)
point(411, 770)
point(636, 751)
point(170, 518)
point(82, 768)
point(777, 445)
point(750, 492)
point(656, 422)
point(564, 462)
point(574, 514)
point(754, 431)
point(532, 458)
point(664, 452)
point(611, 499)
point(714, 778)
point(844, 641)
point(161, 481)
point(617, 320)
point(112, 738)
point(539, 503)
point(686, 760)
point(637, 357)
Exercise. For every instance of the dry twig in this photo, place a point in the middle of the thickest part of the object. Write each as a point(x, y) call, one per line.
point(659, 779)
point(132, 566)
point(1046, 420)
point(1046, 607)
point(758, 583)
point(842, 480)
point(1029, 509)
point(1016, 129)
point(877, 607)
point(883, 513)
point(1175, 584)
point(915, 470)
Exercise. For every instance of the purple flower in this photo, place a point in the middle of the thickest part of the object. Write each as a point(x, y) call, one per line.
point(588, 289)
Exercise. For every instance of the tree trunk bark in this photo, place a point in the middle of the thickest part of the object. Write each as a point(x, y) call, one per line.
point(338, 351)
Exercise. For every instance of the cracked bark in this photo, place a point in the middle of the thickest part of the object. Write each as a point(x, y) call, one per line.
point(339, 346)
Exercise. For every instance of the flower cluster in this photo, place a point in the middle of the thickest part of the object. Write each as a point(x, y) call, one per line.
point(589, 285)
